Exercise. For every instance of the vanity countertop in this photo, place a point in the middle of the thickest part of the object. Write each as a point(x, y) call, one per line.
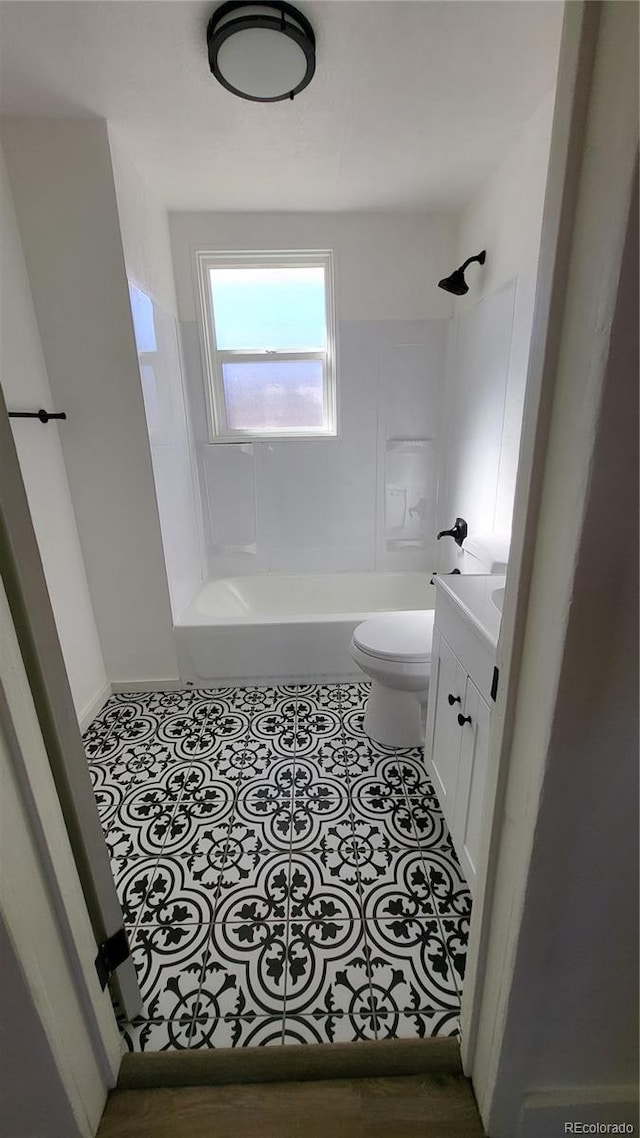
point(478, 598)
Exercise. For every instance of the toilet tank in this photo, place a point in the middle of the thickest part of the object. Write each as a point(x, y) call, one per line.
point(485, 553)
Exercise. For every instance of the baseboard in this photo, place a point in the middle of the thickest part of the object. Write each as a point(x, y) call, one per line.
point(88, 714)
point(119, 687)
point(553, 1111)
point(290, 1063)
point(272, 681)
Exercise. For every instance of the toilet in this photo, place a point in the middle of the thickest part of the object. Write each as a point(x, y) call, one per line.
point(394, 650)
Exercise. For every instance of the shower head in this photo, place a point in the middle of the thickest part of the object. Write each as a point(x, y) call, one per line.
point(456, 282)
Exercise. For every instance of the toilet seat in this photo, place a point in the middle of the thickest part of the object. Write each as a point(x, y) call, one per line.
point(397, 636)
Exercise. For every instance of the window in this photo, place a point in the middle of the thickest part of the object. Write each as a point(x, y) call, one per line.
point(269, 347)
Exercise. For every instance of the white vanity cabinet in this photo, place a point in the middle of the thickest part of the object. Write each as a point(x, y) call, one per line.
point(460, 697)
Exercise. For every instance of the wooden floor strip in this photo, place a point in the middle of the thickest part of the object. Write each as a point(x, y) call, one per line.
point(214, 1067)
point(414, 1106)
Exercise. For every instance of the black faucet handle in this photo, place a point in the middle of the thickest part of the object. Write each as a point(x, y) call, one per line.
point(458, 531)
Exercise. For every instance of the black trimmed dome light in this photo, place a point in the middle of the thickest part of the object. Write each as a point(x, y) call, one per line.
point(262, 52)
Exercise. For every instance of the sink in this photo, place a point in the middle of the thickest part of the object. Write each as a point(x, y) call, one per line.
point(497, 597)
point(476, 599)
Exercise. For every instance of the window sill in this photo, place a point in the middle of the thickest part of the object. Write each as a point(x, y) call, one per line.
point(275, 437)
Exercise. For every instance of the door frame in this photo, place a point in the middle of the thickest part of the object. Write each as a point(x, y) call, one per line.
point(34, 623)
point(46, 926)
point(593, 162)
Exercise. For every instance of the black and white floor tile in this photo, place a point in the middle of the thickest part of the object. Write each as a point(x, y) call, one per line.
point(283, 878)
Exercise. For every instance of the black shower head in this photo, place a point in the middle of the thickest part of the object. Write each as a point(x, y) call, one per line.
point(456, 282)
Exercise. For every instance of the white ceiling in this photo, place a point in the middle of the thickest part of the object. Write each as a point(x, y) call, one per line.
point(413, 102)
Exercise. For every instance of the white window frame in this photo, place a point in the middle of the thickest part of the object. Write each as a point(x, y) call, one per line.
point(213, 358)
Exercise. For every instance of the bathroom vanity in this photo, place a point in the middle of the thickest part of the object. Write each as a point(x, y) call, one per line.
point(461, 694)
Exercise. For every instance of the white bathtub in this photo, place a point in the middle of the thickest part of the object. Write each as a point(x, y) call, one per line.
point(286, 626)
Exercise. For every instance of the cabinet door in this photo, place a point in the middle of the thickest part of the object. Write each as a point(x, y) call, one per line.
point(445, 747)
point(472, 773)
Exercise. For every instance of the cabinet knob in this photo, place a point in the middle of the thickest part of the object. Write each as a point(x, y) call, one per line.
point(453, 699)
point(462, 719)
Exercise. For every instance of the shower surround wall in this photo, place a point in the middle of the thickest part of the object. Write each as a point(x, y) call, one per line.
point(489, 339)
point(147, 254)
point(320, 504)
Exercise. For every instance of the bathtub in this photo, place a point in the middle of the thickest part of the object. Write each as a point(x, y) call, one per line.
point(287, 626)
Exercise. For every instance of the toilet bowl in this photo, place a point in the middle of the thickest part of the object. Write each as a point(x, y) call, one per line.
point(394, 650)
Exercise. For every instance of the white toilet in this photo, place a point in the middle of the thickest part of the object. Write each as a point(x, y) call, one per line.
point(394, 650)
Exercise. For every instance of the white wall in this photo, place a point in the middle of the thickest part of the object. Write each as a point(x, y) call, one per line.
point(490, 337)
point(144, 228)
point(32, 1097)
point(587, 1028)
point(387, 265)
point(319, 505)
point(147, 252)
point(556, 1037)
point(25, 385)
point(62, 181)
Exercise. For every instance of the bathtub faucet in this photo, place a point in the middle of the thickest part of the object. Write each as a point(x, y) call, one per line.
point(458, 531)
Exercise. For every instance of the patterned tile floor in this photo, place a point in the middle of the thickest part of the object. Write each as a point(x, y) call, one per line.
point(283, 879)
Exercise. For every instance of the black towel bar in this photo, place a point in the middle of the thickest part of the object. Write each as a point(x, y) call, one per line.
point(43, 416)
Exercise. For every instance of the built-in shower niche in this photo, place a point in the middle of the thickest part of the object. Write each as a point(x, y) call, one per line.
point(409, 493)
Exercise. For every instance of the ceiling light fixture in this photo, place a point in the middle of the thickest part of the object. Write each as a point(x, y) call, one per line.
point(262, 52)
